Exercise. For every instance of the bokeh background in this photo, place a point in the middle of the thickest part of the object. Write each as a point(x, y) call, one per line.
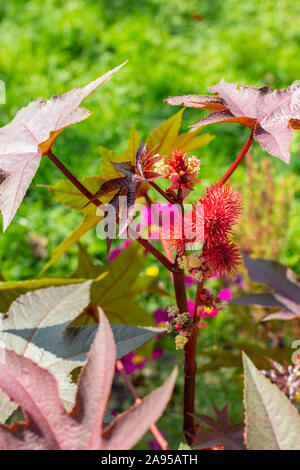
point(173, 47)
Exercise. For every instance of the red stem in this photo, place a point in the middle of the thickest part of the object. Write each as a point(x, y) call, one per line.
point(190, 368)
point(181, 299)
point(165, 262)
point(238, 160)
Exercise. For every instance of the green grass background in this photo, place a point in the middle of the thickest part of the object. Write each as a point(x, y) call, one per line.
point(173, 47)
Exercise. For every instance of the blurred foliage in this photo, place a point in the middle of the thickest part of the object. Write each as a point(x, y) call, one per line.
point(174, 48)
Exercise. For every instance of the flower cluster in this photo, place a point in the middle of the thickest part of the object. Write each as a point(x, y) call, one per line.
point(181, 170)
point(183, 324)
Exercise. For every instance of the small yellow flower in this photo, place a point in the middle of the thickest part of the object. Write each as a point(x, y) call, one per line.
point(180, 341)
point(160, 166)
point(152, 271)
point(297, 397)
point(182, 262)
point(207, 309)
point(137, 359)
point(194, 261)
point(198, 276)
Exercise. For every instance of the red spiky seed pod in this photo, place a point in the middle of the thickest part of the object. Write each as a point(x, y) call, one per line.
point(222, 206)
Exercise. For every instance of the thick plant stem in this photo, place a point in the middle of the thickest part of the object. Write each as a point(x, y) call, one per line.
point(153, 428)
point(170, 266)
point(190, 360)
point(190, 368)
point(237, 161)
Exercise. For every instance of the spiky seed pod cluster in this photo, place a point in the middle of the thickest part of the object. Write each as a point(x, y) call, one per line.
point(220, 208)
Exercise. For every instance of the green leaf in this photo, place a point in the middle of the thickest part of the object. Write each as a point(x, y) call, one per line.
point(87, 223)
point(189, 141)
point(258, 354)
point(66, 193)
point(132, 146)
point(184, 446)
point(165, 134)
point(86, 268)
point(272, 422)
point(64, 342)
point(107, 169)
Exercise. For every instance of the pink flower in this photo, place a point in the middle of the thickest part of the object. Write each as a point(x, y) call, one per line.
point(114, 253)
point(225, 294)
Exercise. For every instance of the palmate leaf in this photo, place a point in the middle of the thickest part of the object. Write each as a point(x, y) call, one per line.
point(167, 137)
point(284, 282)
point(30, 135)
point(126, 187)
point(41, 309)
point(114, 288)
point(272, 422)
point(272, 114)
point(37, 326)
point(49, 426)
point(220, 432)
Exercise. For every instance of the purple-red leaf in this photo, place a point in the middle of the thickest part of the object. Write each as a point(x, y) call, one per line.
point(272, 114)
point(129, 184)
point(30, 135)
point(220, 433)
point(49, 426)
point(126, 429)
point(284, 282)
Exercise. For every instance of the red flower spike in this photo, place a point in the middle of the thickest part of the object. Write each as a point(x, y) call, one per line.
point(181, 171)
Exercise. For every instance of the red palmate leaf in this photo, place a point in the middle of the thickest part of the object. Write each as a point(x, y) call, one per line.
point(30, 135)
point(129, 184)
point(273, 114)
point(49, 426)
point(220, 432)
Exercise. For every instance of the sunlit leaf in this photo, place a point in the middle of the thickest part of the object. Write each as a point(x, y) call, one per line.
point(272, 114)
point(30, 135)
